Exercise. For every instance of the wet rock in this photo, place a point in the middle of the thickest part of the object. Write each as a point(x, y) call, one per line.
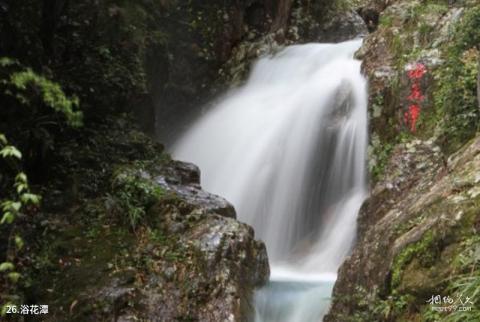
point(296, 24)
point(214, 278)
point(183, 180)
point(418, 208)
point(181, 173)
point(344, 26)
point(423, 203)
point(175, 180)
point(186, 259)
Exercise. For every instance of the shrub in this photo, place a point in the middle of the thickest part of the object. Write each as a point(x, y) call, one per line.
point(14, 203)
point(135, 192)
point(456, 95)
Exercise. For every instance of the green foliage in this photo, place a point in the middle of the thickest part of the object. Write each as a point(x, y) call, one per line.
point(95, 49)
point(380, 150)
point(51, 94)
point(6, 266)
point(419, 9)
point(386, 21)
point(56, 55)
point(38, 107)
point(429, 315)
point(134, 192)
point(424, 31)
point(435, 7)
point(371, 306)
point(394, 305)
point(466, 286)
point(454, 252)
point(10, 151)
point(423, 249)
point(470, 255)
point(381, 154)
point(467, 283)
point(456, 95)
point(344, 5)
point(28, 87)
point(112, 39)
point(10, 209)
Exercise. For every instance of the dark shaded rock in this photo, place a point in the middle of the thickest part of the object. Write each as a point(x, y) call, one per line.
point(183, 180)
point(175, 180)
point(371, 10)
point(201, 199)
point(342, 27)
point(181, 173)
point(370, 16)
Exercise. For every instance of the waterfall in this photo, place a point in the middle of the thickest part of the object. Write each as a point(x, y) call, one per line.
point(288, 149)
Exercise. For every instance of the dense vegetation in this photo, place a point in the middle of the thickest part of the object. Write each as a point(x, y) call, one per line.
point(65, 68)
point(459, 103)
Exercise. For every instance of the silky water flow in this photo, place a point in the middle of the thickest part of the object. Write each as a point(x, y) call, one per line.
point(288, 149)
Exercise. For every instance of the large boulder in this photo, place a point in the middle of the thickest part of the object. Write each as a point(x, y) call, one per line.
point(156, 248)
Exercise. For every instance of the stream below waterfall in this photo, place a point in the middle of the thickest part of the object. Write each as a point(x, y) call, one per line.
point(288, 149)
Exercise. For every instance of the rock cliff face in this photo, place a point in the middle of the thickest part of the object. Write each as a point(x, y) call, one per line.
point(417, 226)
point(418, 232)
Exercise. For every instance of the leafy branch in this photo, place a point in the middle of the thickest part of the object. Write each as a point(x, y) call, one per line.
point(10, 209)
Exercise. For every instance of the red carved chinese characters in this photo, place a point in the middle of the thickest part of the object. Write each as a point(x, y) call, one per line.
point(416, 97)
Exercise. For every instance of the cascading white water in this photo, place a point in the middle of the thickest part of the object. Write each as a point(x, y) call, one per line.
point(288, 149)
